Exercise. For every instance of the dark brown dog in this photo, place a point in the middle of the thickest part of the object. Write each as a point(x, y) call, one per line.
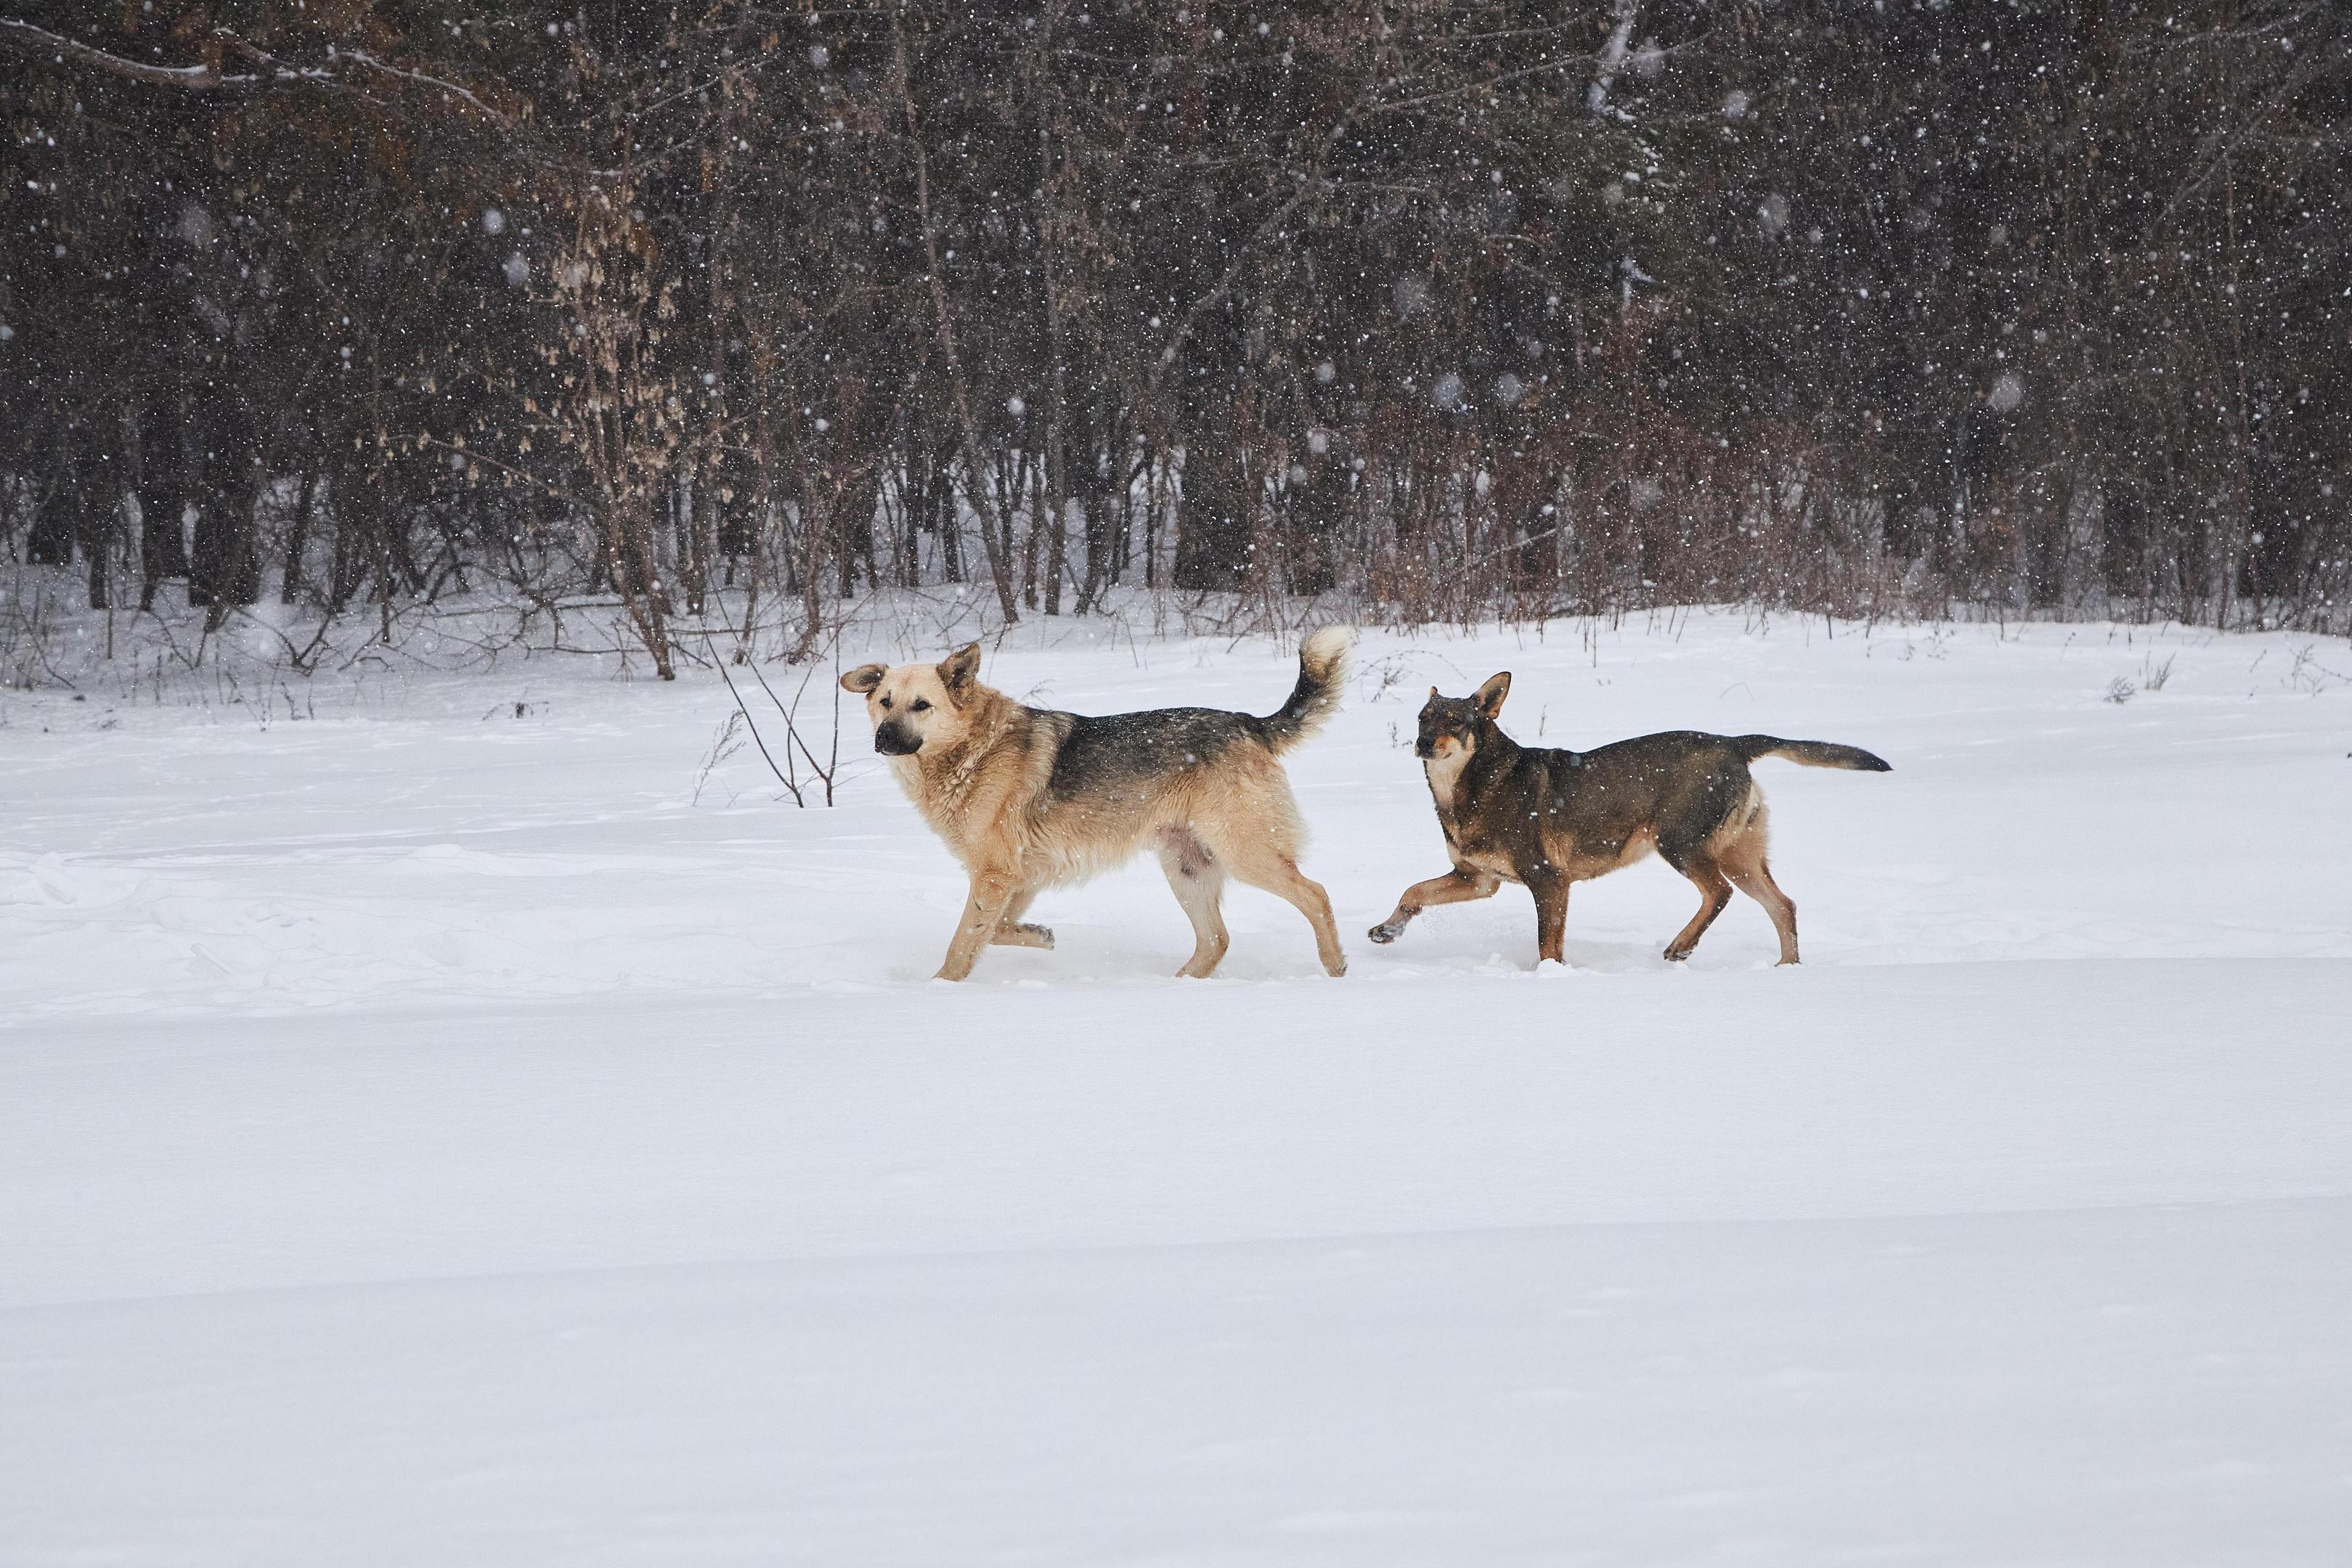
point(1551, 818)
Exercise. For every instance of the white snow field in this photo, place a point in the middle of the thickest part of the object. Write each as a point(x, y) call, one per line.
point(428, 1136)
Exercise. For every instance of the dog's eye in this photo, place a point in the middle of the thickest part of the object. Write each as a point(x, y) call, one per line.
point(919, 704)
point(886, 702)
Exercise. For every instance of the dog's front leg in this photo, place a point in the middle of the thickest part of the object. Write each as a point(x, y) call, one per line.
point(1459, 885)
point(983, 912)
point(1551, 889)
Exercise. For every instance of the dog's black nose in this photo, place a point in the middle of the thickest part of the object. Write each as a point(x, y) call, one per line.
point(892, 741)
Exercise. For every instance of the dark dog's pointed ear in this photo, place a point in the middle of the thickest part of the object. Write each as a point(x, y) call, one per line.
point(864, 678)
point(956, 669)
point(1433, 693)
point(1490, 696)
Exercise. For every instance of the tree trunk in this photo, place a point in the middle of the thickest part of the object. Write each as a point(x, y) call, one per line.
point(1317, 508)
point(298, 540)
point(225, 565)
point(162, 495)
point(1214, 517)
point(975, 472)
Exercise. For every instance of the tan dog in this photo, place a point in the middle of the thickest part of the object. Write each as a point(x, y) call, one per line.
point(1028, 798)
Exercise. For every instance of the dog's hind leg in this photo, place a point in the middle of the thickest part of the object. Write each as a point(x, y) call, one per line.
point(1198, 883)
point(1744, 864)
point(1695, 833)
point(1014, 932)
point(1456, 886)
point(1269, 865)
point(1714, 892)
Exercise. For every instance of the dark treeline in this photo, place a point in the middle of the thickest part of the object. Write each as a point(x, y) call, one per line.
point(1460, 310)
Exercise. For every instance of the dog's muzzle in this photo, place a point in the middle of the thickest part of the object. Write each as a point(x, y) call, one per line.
point(891, 739)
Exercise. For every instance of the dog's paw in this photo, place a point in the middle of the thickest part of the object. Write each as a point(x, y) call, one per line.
point(1676, 955)
point(1385, 933)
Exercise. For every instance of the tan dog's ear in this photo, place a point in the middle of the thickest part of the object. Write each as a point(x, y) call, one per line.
point(864, 678)
point(957, 668)
point(1490, 696)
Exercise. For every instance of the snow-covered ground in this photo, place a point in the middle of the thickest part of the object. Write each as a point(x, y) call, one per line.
point(430, 1135)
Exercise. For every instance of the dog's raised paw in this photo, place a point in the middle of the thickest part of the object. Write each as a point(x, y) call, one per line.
point(1383, 933)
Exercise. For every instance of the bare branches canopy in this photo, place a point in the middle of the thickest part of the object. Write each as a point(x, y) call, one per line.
point(1465, 309)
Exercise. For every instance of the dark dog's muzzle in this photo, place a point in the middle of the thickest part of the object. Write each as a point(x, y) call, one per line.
point(892, 738)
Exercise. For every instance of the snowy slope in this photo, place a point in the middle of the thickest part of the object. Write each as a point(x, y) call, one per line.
point(427, 1135)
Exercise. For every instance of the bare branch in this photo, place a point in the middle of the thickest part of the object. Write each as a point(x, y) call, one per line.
point(26, 38)
point(497, 116)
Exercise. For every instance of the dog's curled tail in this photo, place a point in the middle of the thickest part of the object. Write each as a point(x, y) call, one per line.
point(1812, 753)
point(1323, 662)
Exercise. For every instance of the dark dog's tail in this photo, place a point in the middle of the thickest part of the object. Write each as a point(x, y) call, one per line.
point(1322, 676)
point(1812, 753)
